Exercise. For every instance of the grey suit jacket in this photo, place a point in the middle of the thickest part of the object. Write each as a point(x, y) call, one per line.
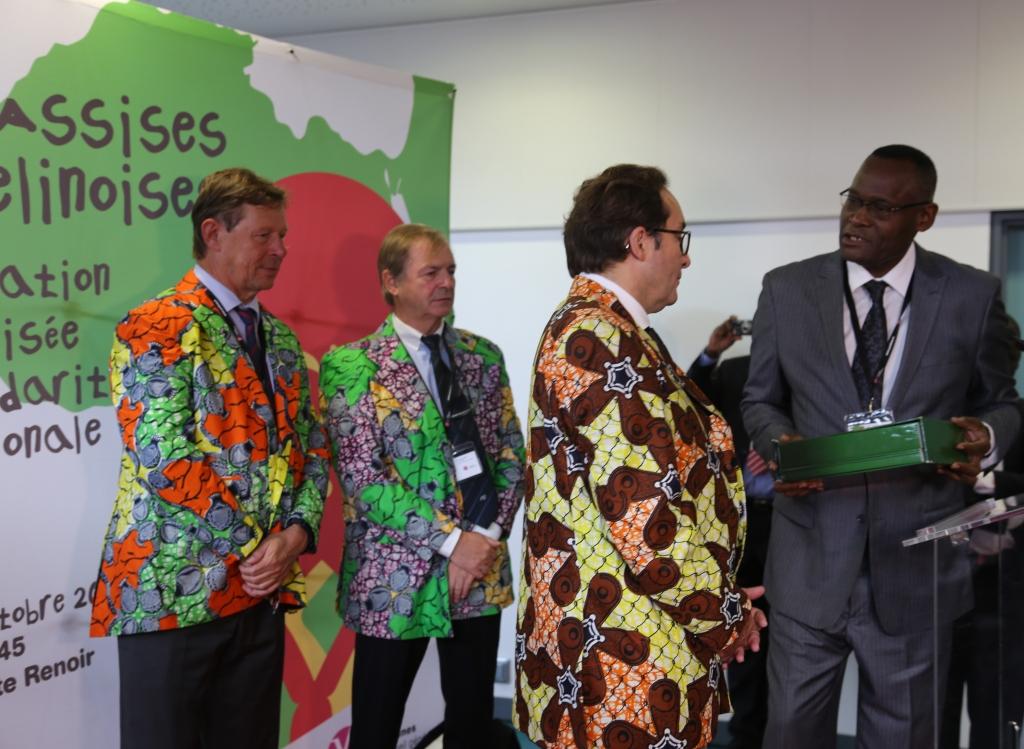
point(955, 363)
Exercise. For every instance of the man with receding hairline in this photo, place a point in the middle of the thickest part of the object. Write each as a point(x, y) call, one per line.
point(880, 326)
point(429, 454)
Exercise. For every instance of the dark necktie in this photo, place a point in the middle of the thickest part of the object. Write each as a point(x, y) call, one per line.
point(873, 339)
point(479, 497)
point(661, 345)
point(254, 346)
point(446, 386)
point(714, 459)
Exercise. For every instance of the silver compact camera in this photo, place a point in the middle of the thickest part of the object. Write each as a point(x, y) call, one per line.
point(742, 327)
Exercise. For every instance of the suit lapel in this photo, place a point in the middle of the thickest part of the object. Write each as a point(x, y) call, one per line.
point(925, 304)
point(597, 294)
point(285, 363)
point(468, 366)
point(219, 330)
point(212, 319)
point(463, 369)
point(398, 374)
point(830, 300)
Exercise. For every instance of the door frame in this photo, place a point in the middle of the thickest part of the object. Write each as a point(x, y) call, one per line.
point(1002, 222)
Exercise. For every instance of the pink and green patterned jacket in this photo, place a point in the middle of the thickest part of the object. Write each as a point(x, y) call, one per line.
point(401, 500)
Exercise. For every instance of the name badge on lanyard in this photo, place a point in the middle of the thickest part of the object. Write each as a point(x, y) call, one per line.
point(879, 417)
point(465, 461)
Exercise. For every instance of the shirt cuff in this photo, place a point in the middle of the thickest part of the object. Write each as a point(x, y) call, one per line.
point(449, 543)
point(706, 360)
point(985, 484)
point(310, 538)
point(992, 456)
point(493, 531)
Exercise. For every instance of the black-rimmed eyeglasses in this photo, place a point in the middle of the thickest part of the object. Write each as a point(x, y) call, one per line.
point(682, 235)
point(878, 209)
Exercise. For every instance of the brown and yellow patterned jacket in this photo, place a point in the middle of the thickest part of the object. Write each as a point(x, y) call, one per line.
point(633, 532)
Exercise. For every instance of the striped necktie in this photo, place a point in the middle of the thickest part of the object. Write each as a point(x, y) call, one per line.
point(253, 346)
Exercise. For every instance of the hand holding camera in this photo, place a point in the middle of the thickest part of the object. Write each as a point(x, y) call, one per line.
point(726, 334)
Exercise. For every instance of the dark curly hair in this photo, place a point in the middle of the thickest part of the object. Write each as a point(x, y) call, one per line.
point(605, 209)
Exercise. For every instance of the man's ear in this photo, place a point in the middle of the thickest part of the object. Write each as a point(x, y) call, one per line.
point(635, 242)
point(926, 217)
point(387, 280)
point(211, 230)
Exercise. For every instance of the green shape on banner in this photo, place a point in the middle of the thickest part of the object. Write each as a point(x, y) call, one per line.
point(102, 146)
point(288, 708)
point(320, 616)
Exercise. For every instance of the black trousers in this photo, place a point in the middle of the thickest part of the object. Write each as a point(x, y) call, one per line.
point(208, 686)
point(748, 681)
point(977, 666)
point(384, 671)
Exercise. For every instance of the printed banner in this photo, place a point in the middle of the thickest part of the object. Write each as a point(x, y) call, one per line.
point(111, 116)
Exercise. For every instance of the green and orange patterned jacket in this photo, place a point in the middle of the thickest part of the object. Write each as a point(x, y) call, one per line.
point(393, 459)
point(209, 465)
point(632, 537)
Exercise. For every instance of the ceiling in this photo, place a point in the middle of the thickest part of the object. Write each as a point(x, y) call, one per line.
point(282, 18)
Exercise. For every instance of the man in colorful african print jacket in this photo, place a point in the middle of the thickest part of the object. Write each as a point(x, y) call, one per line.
point(222, 482)
point(416, 566)
point(634, 502)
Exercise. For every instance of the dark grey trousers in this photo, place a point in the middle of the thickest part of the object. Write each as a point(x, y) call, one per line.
point(896, 705)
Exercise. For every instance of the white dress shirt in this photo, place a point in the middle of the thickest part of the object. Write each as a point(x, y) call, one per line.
point(633, 307)
point(898, 279)
point(419, 352)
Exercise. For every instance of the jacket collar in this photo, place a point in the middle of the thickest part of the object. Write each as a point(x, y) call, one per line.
point(586, 291)
point(928, 282)
point(397, 372)
point(633, 307)
point(209, 315)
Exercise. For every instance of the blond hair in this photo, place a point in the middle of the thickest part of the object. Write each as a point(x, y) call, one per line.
point(394, 251)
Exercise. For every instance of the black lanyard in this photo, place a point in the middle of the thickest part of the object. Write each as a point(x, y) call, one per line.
point(860, 355)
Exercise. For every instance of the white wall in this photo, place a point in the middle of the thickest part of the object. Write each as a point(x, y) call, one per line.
point(755, 109)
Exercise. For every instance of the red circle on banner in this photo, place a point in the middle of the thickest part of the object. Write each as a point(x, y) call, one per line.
point(327, 290)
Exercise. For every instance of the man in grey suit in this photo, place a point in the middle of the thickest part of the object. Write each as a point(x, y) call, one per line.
point(931, 340)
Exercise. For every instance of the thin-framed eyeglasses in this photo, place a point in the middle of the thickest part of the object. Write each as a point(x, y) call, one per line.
point(682, 235)
point(878, 209)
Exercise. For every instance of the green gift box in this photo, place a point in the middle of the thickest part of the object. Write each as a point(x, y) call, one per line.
point(915, 442)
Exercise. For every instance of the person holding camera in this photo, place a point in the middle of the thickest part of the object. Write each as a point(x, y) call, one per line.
point(722, 380)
